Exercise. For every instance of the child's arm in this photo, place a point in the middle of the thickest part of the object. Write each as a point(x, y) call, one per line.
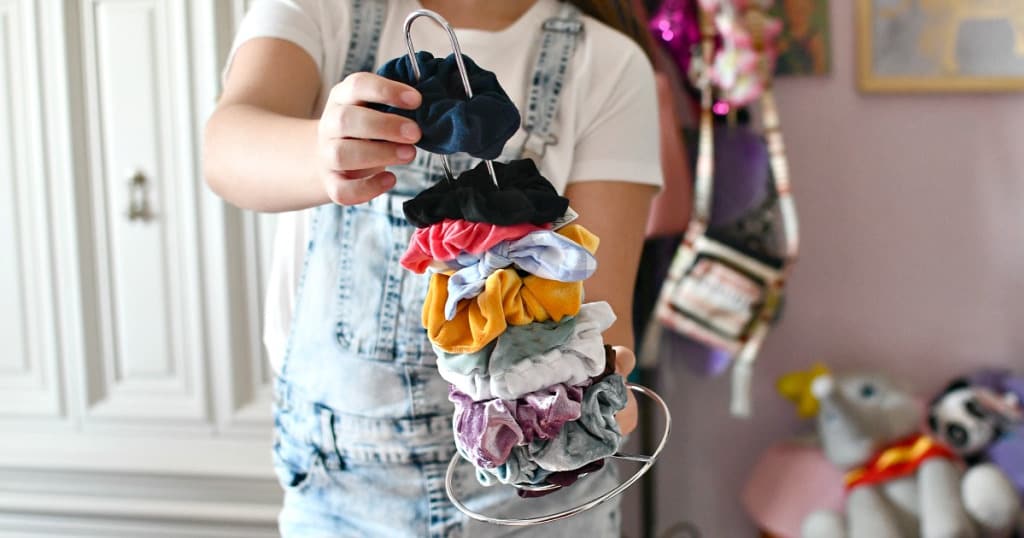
point(616, 212)
point(267, 149)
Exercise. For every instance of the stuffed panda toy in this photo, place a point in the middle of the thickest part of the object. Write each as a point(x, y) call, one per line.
point(982, 419)
point(968, 418)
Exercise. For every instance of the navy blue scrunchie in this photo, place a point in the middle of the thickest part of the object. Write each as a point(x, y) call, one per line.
point(523, 196)
point(450, 123)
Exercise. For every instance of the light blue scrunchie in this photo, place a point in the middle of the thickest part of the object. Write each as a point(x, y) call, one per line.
point(543, 253)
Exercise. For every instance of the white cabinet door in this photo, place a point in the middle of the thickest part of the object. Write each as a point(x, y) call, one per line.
point(135, 395)
point(131, 293)
point(29, 363)
point(143, 363)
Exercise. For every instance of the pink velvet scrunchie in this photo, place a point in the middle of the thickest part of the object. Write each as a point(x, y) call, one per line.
point(447, 239)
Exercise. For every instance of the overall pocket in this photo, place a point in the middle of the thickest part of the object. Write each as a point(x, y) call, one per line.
point(379, 303)
point(297, 461)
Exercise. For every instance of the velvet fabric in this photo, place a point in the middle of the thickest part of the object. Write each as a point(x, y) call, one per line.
point(593, 437)
point(523, 195)
point(448, 239)
point(562, 479)
point(516, 344)
point(451, 122)
point(507, 299)
point(581, 357)
point(563, 256)
point(487, 430)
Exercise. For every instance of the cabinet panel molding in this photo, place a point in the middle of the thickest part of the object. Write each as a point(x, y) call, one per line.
point(30, 364)
point(142, 291)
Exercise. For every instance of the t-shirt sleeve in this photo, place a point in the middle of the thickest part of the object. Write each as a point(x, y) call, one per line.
point(617, 129)
point(297, 21)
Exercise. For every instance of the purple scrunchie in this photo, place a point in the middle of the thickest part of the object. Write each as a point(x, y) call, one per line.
point(486, 431)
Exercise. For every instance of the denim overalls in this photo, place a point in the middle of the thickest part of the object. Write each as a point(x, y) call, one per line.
point(363, 426)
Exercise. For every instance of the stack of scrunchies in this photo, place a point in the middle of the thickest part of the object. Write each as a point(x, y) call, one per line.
point(533, 383)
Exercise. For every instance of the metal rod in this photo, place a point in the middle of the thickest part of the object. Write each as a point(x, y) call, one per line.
point(463, 74)
point(632, 457)
point(449, 478)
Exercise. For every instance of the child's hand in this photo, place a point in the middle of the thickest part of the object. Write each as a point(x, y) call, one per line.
point(357, 142)
point(625, 361)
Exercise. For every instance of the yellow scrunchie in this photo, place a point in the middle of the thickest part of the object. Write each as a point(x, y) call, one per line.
point(507, 299)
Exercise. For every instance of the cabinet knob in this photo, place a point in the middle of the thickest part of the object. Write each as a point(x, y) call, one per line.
point(138, 200)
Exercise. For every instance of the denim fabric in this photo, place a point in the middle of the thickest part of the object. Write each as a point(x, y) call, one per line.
point(593, 437)
point(558, 44)
point(515, 344)
point(581, 357)
point(451, 123)
point(522, 196)
point(363, 428)
point(544, 253)
point(353, 476)
point(451, 238)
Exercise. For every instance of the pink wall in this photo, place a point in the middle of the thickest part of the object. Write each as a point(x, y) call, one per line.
point(912, 211)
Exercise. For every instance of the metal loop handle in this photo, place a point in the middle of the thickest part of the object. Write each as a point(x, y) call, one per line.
point(463, 74)
point(648, 462)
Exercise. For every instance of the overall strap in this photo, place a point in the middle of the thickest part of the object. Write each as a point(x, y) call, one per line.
point(559, 37)
point(365, 24)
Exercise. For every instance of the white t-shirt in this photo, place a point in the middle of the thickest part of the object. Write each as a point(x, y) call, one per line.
point(607, 122)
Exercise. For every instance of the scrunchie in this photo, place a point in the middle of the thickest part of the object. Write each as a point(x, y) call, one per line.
point(523, 196)
point(507, 299)
point(515, 344)
point(487, 430)
point(593, 437)
point(562, 479)
point(447, 239)
point(581, 357)
point(564, 255)
point(451, 123)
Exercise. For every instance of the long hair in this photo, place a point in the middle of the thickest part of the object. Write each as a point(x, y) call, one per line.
point(621, 15)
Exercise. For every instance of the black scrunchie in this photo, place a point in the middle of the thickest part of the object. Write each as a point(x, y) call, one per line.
point(450, 123)
point(524, 196)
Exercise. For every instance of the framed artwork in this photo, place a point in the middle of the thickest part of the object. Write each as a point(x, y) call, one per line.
point(805, 42)
point(940, 45)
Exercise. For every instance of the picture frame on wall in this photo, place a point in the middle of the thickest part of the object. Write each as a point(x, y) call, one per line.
point(940, 45)
point(804, 46)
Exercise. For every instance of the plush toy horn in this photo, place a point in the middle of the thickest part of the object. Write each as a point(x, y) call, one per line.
point(797, 388)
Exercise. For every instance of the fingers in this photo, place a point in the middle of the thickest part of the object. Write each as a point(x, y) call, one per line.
point(625, 360)
point(627, 418)
point(362, 88)
point(352, 154)
point(357, 191)
point(359, 174)
point(351, 121)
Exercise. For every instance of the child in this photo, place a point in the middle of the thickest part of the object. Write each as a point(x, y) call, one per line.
point(363, 423)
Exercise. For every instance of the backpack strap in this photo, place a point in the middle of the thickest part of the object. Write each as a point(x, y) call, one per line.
point(559, 37)
point(366, 22)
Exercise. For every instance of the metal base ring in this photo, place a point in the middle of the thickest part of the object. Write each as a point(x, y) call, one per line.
point(648, 462)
